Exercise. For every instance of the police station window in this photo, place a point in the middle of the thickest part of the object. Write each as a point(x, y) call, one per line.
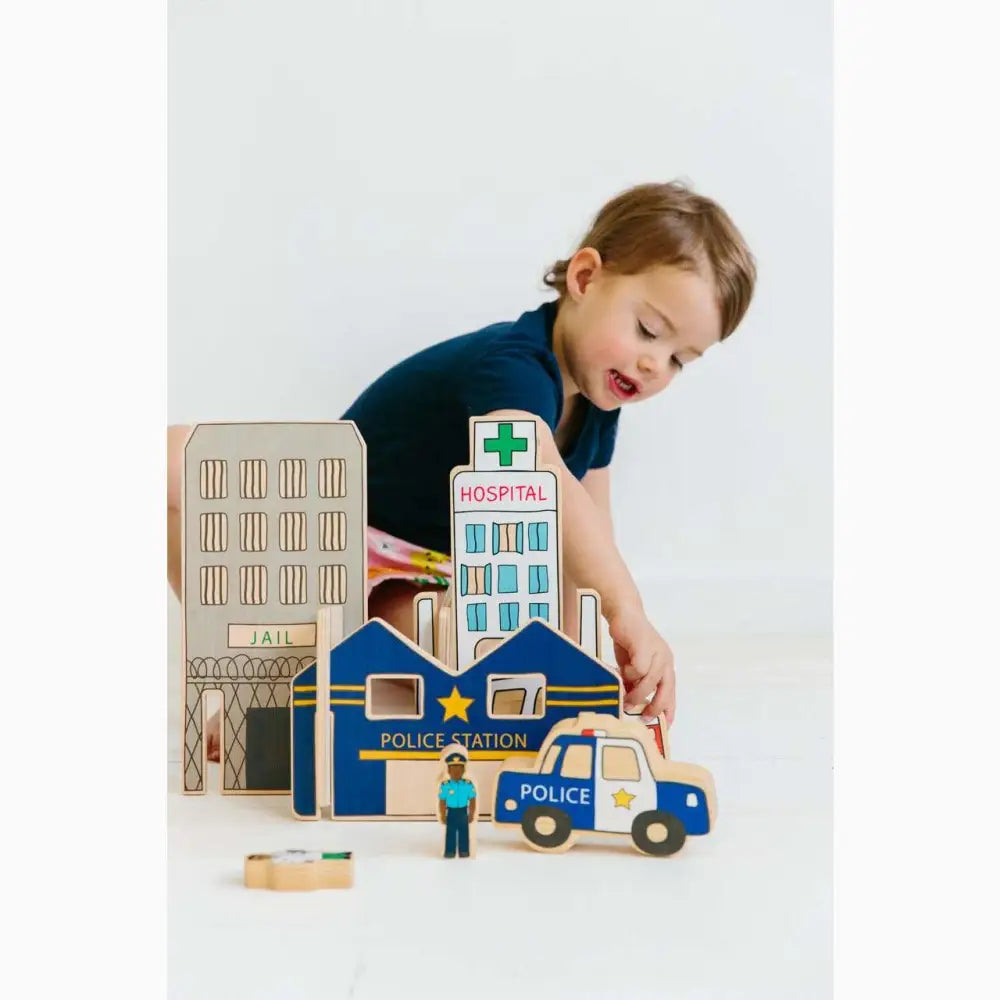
point(538, 579)
point(506, 579)
point(475, 538)
point(578, 761)
point(508, 537)
point(508, 617)
point(476, 617)
point(538, 536)
point(476, 580)
point(619, 764)
point(392, 697)
point(538, 611)
point(519, 696)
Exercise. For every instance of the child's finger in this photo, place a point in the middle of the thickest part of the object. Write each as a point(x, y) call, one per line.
point(638, 695)
point(663, 701)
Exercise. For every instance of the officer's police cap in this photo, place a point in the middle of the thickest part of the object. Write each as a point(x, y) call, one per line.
point(456, 758)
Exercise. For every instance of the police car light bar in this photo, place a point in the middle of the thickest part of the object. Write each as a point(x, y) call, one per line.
point(594, 732)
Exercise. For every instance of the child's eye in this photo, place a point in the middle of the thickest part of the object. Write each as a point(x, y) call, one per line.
point(677, 361)
point(644, 332)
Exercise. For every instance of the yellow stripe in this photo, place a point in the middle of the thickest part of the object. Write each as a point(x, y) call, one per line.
point(600, 687)
point(581, 704)
point(304, 687)
point(347, 687)
point(296, 704)
point(347, 701)
point(436, 754)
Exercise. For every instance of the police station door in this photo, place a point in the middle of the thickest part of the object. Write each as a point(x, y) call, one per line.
point(623, 785)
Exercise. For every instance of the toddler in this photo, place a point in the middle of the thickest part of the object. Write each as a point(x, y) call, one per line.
point(661, 276)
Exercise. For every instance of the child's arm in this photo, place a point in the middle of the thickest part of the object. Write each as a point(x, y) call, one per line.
point(593, 560)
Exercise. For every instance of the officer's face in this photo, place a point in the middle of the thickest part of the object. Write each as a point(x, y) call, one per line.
point(455, 771)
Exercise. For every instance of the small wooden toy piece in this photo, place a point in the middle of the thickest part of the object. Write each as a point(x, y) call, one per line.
point(604, 775)
point(299, 871)
point(457, 799)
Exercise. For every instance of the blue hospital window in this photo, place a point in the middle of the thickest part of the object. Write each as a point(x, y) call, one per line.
point(476, 617)
point(508, 617)
point(538, 611)
point(507, 579)
point(538, 536)
point(538, 580)
point(475, 538)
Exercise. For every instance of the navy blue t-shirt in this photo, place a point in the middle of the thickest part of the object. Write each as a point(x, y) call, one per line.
point(415, 420)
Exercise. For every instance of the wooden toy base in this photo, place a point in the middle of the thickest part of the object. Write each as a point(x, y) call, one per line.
point(299, 871)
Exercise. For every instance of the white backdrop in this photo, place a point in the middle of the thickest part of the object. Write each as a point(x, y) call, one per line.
point(351, 181)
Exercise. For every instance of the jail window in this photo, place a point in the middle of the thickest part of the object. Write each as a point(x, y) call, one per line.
point(292, 478)
point(475, 538)
point(332, 584)
point(292, 589)
point(521, 696)
point(475, 615)
point(508, 617)
point(538, 536)
point(332, 477)
point(538, 611)
point(394, 697)
point(619, 764)
point(507, 579)
point(214, 532)
point(538, 579)
point(213, 479)
point(253, 585)
point(214, 585)
point(508, 537)
point(253, 531)
point(476, 580)
point(253, 479)
point(292, 531)
point(332, 530)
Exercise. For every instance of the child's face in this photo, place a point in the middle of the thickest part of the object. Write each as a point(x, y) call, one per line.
point(626, 336)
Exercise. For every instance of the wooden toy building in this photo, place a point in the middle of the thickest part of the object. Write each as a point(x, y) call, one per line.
point(493, 672)
point(274, 525)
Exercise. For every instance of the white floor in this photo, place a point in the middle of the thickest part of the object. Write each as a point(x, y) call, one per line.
point(745, 912)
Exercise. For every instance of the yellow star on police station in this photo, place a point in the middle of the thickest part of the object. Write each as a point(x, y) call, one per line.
point(455, 706)
point(622, 798)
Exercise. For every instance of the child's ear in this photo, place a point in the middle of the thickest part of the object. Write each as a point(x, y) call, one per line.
point(584, 267)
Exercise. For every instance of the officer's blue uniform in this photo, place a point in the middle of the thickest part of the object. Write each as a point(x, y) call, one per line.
point(456, 796)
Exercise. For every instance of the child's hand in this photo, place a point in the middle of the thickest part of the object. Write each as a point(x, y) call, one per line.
point(212, 738)
point(646, 663)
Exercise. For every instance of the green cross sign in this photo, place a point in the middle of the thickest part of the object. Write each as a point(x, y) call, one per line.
point(506, 444)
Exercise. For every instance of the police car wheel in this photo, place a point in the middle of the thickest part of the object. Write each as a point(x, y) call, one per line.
point(546, 827)
point(659, 833)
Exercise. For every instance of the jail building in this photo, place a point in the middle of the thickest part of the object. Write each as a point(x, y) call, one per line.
point(274, 522)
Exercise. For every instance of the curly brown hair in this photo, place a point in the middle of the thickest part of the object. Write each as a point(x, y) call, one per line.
point(656, 224)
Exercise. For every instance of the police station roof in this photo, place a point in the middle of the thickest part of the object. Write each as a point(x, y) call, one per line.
point(377, 648)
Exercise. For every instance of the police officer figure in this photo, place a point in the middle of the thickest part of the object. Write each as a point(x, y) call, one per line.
point(456, 802)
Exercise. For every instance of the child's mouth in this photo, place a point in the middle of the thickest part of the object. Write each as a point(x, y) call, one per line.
point(620, 386)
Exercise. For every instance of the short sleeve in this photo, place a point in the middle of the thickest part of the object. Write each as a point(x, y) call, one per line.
point(511, 379)
point(442, 793)
point(606, 443)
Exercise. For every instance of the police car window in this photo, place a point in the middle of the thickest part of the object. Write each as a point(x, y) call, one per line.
point(578, 761)
point(619, 764)
point(520, 696)
point(548, 765)
point(394, 697)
